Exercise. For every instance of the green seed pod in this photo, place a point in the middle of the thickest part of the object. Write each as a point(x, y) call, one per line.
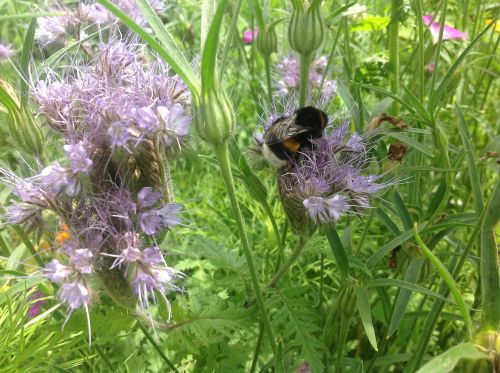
point(267, 41)
point(214, 117)
point(306, 29)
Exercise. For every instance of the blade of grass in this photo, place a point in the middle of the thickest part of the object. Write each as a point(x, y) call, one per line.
point(439, 266)
point(25, 59)
point(338, 250)
point(366, 315)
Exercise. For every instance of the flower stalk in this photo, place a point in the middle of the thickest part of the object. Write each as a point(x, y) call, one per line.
point(394, 52)
point(222, 154)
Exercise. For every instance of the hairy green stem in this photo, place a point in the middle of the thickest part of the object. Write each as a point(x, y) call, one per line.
point(157, 347)
point(489, 264)
point(267, 63)
point(305, 62)
point(421, 51)
point(394, 52)
point(222, 154)
point(288, 262)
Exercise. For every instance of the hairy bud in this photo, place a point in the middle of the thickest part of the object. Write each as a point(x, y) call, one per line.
point(214, 117)
point(306, 29)
point(267, 41)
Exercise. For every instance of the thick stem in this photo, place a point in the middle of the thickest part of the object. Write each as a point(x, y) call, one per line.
point(438, 50)
point(288, 262)
point(267, 62)
point(394, 52)
point(489, 264)
point(222, 154)
point(421, 54)
point(305, 62)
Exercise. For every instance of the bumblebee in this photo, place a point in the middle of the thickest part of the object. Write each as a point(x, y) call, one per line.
point(288, 135)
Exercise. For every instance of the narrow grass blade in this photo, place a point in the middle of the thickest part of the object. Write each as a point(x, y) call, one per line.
point(338, 250)
point(25, 60)
point(471, 164)
point(402, 210)
point(403, 298)
point(385, 249)
point(350, 103)
point(439, 92)
point(449, 281)
point(366, 315)
point(388, 282)
point(447, 361)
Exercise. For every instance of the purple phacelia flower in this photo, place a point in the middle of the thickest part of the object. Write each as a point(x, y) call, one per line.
point(5, 52)
point(147, 197)
point(153, 221)
point(118, 134)
point(175, 123)
point(55, 178)
point(53, 30)
point(289, 69)
point(74, 294)
point(78, 156)
point(328, 179)
point(146, 119)
point(82, 260)
point(326, 209)
point(57, 272)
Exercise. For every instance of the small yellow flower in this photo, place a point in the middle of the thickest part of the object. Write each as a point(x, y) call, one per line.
point(496, 27)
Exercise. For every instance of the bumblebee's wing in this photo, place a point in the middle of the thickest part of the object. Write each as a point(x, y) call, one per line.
point(283, 129)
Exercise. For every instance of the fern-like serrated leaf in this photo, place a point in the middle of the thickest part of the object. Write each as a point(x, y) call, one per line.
point(297, 318)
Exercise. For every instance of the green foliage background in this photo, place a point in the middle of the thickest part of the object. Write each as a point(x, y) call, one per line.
point(393, 292)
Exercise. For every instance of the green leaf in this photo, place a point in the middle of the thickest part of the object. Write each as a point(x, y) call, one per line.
point(338, 250)
point(385, 249)
point(209, 57)
point(421, 110)
point(438, 93)
point(447, 361)
point(366, 315)
point(447, 277)
point(25, 59)
point(471, 164)
point(389, 223)
point(411, 276)
point(279, 363)
point(388, 282)
point(350, 103)
point(403, 213)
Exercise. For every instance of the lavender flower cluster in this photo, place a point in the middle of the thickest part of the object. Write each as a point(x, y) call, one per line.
point(68, 21)
point(289, 70)
point(328, 180)
point(117, 117)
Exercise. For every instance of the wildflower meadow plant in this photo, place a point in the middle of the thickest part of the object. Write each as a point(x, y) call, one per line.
point(116, 119)
point(367, 243)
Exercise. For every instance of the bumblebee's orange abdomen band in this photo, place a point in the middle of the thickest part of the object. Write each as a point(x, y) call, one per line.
point(291, 144)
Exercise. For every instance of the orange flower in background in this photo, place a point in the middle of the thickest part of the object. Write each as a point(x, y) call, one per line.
point(63, 235)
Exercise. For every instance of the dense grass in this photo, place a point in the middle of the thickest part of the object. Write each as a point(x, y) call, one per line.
point(413, 277)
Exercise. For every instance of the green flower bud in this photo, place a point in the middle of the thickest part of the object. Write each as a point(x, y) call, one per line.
point(214, 119)
point(306, 29)
point(267, 41)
